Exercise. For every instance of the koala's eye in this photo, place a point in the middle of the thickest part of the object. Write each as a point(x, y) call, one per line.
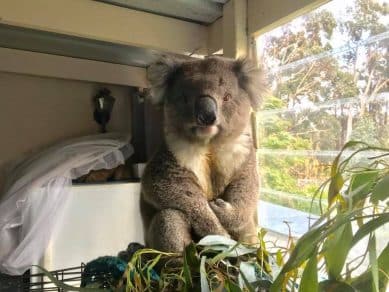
point(227, 97)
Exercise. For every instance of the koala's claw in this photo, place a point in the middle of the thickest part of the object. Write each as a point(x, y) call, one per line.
point(220, 203)
point(214, 206)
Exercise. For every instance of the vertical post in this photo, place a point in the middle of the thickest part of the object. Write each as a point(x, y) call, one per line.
point(235, 38)
point(147, 127)
point(138, 139)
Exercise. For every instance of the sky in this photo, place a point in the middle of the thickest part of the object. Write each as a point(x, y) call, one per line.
point(338, 43)
point(338, 9)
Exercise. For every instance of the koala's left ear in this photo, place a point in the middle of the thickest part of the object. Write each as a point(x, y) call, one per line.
point(252, 80)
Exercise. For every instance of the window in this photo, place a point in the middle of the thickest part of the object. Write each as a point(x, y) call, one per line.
point(329, 77)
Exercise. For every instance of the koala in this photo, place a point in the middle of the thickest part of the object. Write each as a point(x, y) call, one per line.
point(203, 179)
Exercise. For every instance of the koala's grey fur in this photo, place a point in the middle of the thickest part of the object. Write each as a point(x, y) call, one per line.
point(202, 180)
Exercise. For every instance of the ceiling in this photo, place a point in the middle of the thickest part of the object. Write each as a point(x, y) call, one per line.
point(198, 11)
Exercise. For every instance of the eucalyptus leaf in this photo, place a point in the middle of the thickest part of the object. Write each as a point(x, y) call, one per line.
point(231, 286)
point(215, 248)
point(244, 282)
point(303, 250)
point(335, 286)
point(150, 272)
point(373, 263)
point(187, 274)
point(192, 256)
point(224, 254)
point(309, 281)
point(370, 226)
point(248, 273)
point(279, 258)
point(234, 251)
point(262, 284)
point(336, 185)
point(337, 246)
point(203, 276)
point(307, 244)
point(364, 281)
point(361, 185)
point(216, 240)
point(381, 190)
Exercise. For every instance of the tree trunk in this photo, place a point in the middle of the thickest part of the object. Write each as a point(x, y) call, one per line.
point(349, 129)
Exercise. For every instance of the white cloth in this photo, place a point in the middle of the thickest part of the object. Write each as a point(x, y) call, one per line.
point(44, 180)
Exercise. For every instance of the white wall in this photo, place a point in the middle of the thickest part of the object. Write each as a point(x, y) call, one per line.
point(36, 112)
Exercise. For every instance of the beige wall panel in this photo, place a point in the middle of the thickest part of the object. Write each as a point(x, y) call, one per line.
point(215, 36)
point(100, 21)
point(37, 112)
point(25, 62)
point(265, 15)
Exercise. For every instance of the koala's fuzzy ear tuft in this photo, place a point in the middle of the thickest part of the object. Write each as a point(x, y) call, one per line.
point(252, 80)
point(159, 75)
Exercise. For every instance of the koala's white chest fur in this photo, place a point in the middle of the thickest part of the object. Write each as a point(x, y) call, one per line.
point(204, 160)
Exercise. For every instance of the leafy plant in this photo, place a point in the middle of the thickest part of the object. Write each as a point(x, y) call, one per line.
point(357, 207)
point(321, 260)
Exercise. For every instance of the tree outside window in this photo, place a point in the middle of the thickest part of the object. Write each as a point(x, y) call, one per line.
point(329, 76)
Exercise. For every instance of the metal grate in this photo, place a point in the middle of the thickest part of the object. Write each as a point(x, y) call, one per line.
point(40, 282)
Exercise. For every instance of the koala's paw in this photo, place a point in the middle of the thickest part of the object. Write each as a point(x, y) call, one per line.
point(221, 208)
point(220, 203)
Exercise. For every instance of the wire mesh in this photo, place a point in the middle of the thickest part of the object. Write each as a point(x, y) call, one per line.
point(40, 282)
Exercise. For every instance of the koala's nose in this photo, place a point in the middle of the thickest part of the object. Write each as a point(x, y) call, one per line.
point(205, 111)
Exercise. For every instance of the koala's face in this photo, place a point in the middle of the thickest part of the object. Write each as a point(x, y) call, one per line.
point(206, 100)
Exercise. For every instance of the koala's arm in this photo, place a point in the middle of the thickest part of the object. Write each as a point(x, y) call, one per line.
point(167, 186)
point(237, 206)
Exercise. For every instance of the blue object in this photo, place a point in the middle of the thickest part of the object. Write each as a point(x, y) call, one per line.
point(103, 272)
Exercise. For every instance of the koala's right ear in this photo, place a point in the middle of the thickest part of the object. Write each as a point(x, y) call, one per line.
point(159, 75)
point(251, 78)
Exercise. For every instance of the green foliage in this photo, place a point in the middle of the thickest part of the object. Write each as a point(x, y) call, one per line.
point(332, 236)
point(344, 85)
point(309, 279)
point(357, 210)
point(217, 263)
point(365, 129)
point(366, 16)
point(279, 172)
point(272, 102)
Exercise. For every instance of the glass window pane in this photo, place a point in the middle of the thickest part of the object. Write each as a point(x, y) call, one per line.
point(330, 84)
